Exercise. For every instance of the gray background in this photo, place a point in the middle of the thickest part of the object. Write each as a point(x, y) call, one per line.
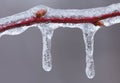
point(20, 56)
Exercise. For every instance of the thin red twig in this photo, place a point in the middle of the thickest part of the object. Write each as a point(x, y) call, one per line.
point(39, 19)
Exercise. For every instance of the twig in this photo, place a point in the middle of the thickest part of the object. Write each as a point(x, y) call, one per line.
point(39, 18)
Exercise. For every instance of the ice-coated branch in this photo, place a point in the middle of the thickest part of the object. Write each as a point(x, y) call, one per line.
point(44, 14)
point(48, 19)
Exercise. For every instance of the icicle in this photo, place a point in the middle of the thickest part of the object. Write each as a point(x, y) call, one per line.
point(88, 35)
point(47, 34)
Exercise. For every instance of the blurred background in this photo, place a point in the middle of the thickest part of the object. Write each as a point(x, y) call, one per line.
point(21, 55)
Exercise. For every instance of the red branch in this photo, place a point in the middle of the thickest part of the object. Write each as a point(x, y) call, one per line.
point(37, 19)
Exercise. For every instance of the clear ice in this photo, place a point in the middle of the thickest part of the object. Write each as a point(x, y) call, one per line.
point(47, 29)
point(88, 35)
point(47, 33)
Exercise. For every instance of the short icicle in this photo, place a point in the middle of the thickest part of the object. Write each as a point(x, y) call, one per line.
point(47, 34)
point(88, 35)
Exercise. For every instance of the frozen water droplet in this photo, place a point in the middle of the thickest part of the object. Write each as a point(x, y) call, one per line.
point(89, 31)
point(47, 33)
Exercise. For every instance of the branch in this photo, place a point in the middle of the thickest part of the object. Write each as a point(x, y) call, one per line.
point(43, 14)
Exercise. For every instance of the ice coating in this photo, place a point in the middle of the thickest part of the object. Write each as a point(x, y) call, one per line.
point(76, 13)
point(111, 21)
point(47, 29)
point(15, 31)
point(20, 16)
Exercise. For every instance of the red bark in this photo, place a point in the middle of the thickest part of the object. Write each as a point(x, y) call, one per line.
point(38, 19)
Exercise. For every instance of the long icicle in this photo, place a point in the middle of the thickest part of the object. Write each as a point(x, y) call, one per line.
point(47, 34)
point(88, 35)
